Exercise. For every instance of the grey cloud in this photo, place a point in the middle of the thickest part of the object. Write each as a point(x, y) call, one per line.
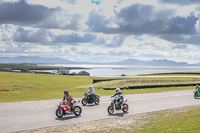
point(134, 19)
point(116, 41)
point(189, 39)
point(22, 13)
point(138, 19)
point(22, 35)
point(96, 22)
point(74, 38)
point(46, 37)
point(181, 2)
point(181, 25)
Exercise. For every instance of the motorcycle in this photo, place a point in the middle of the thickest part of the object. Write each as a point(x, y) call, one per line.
point(196, 94)
point(65, 109)
point(89, 100)
point(117, 105)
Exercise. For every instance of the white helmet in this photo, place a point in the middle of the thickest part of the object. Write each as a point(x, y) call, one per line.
point(117, 89)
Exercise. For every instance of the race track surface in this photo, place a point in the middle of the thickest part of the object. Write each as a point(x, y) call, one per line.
point(18, 116)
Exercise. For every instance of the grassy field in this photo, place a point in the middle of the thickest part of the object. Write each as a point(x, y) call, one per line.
point(28, 86)
point(184, 120)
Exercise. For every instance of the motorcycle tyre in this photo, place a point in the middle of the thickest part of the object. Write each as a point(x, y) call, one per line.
point(112, 110)
point(195, 96)
point(77, 114)
point(124, 109)
point(97, 101)
point(57, 113)
point(84, 101)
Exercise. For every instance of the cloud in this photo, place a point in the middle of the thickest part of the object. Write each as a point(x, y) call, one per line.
point(22, 35)
point(22, 13)
point(181, 2)
point(74, 38)
point(135, 19)
point(139, 19)
point(48, 37)
point(181, 25)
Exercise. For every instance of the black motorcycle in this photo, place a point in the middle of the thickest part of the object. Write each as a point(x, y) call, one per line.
point(89, 100)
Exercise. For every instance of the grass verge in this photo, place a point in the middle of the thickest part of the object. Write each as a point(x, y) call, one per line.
point(28, 86)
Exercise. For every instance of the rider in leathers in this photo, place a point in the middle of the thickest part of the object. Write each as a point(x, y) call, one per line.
point(67, 98)
point(120, 96)
point(197, 89)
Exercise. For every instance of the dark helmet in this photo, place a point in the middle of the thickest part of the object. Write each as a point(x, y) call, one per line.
point(66, 92)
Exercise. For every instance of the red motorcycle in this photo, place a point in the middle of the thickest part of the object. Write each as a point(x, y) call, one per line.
point(67, 109)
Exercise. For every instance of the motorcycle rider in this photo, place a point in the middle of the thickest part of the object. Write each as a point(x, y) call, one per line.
point(119, 94)
point(197, 89)
point(92, 92)
point(67, 98)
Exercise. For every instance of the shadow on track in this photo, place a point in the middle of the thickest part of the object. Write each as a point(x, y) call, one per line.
point(90, 105)
point(119, 114)
point(67, 118)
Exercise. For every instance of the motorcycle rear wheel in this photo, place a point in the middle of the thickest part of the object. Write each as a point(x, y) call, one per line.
point(77, 110)
point(59, 113)
point(110, 110)
point(84, 101)
point(195, 96)
point(125, 108)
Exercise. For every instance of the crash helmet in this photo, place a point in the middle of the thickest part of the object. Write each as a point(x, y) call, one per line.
point(91, 87)
point(197, 85)
point(66, 92)
point(117, 89)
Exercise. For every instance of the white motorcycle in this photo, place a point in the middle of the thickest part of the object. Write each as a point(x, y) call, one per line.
point(116, 104)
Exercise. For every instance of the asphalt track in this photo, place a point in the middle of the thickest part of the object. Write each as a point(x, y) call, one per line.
point(17, 116)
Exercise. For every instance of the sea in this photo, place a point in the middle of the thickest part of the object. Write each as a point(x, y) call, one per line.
point(128, 70)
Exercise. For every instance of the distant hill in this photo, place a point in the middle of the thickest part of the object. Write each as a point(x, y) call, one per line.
point(35, 60)
point(150, 63)
point(134, 62)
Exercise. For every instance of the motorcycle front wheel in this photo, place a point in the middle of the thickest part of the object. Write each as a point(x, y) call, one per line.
point(84, 101)
point(96, 101)
point(125, 108)
point(110, 110)
point(59, 113)
point(77, 110)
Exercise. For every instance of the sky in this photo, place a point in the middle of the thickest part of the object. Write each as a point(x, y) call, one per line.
point(101, 30)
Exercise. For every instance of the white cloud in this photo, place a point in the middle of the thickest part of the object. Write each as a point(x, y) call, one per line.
point(84, 31)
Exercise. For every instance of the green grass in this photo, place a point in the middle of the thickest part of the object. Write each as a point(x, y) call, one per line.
point(125, 82)
point(29, 86)
point(181, 121)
